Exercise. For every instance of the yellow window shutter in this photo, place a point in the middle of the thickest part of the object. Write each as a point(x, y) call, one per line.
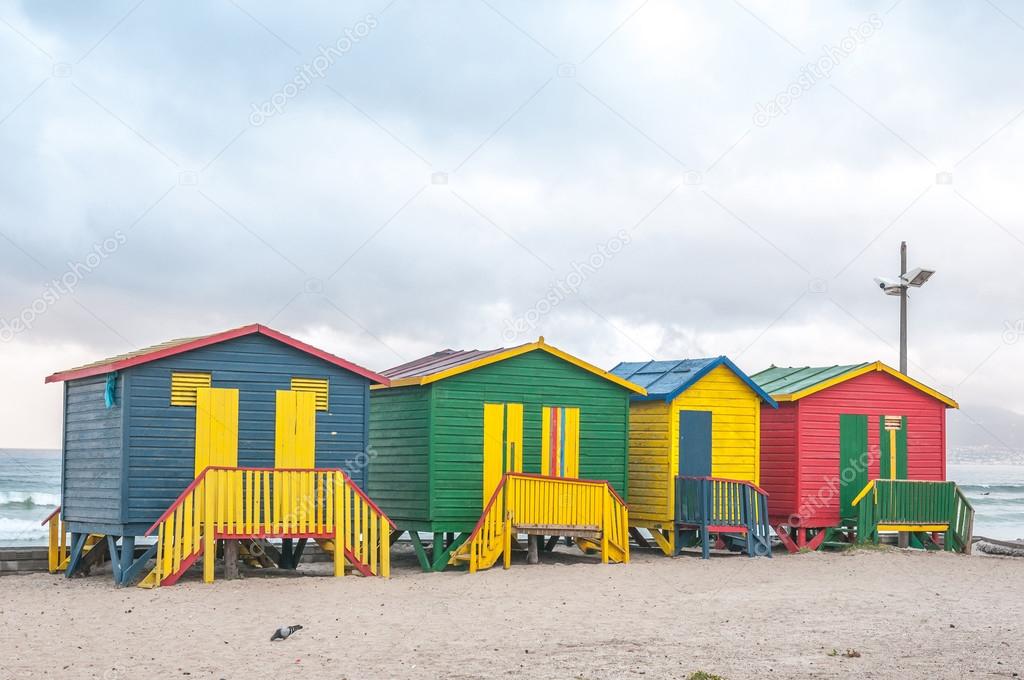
point(295, 430)
point(317, 386)
point(216, 428)
point(184, 386)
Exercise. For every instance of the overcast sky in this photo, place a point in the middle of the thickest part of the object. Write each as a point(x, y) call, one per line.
point(632, 180)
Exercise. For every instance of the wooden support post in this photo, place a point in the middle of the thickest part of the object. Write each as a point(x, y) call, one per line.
point(115, 559)
point(340, 527)
point(639, 538)
point(421, 553)
point(77, 544)
point(436, 546)
point(300, 546)
point(507, 548)
point(231, 560)
point(127, 558)
point(532, 556)
point(551, 543)
point(286, 554)
point(209, 538)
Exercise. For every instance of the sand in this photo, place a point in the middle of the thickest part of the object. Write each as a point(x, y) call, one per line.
point(907, 614)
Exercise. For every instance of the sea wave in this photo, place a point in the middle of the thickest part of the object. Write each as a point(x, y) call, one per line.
point(40, 498)
point(20, 529)
point(1011, 487)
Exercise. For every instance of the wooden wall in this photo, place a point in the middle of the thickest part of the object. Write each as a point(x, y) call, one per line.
point(92, 464)
point(399, 445)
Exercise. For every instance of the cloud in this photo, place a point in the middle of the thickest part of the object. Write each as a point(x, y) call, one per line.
point(451, 168)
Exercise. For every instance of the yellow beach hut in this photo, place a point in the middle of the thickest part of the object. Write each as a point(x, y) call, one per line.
point(694, 454)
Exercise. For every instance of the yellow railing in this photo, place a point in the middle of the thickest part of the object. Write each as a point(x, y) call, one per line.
point(246, 503)
point(59, 550)
point(545, 505)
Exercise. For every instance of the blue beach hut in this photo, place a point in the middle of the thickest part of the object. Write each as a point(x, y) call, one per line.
point(142, 429)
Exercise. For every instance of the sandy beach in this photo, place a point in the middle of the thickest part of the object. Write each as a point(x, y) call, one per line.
point(907, 615)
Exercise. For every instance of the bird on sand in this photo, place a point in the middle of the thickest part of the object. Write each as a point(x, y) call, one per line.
point(284, 632)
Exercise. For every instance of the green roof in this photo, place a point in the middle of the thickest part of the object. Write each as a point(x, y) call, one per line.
point(793, 379)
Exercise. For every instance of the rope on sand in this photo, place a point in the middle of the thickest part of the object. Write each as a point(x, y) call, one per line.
point(991, 546)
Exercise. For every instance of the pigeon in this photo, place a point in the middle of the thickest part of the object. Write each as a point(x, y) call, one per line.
point(284, 632)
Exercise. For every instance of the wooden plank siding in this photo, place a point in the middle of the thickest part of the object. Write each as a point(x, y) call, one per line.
point(651, 473)
point(161, 437)
point(873, 394)
point(399, 452)
point(92, 465)
point(779, 471)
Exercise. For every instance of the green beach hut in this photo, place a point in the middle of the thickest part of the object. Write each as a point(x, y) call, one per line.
point(453, 423)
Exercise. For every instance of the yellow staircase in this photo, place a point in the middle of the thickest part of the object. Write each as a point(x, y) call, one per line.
point(256, 503)
point(588, 511)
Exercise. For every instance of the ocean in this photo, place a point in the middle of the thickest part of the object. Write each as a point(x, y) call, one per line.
point(30, 490)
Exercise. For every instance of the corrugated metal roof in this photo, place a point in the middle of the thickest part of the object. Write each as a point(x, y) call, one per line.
point(661, 378)
point(135, 353)
point(437, 362)
point(667, 379)
point(780, 380)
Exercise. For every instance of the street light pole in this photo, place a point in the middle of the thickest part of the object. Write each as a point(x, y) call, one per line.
point(915, 278)
point(903, 308)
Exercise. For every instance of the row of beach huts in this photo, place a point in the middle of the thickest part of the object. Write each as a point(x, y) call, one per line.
point(245, 446)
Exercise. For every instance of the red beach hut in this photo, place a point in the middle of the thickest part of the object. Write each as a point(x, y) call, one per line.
point(836, 429)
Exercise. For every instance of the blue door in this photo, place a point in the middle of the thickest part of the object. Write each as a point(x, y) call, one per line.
point(695, 443)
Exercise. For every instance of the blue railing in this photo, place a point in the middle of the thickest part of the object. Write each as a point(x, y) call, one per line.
point(706, 505)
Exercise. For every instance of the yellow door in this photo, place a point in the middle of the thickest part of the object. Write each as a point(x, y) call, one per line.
point(295, 431)
point(216, 428)
point(503, 444)
point(560, 442)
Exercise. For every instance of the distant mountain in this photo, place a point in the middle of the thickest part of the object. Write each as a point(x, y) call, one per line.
point(985, 433)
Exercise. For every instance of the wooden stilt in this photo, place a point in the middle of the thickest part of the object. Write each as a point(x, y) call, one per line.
point(533, 549)
point(231, 560)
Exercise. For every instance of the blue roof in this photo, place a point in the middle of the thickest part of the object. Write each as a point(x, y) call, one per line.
point(668, 379)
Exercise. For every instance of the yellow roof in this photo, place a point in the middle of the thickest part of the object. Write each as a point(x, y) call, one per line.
point(493, 357)
point(861, 370)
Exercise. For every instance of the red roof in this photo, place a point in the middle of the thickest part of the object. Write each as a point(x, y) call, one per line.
point(172, 347)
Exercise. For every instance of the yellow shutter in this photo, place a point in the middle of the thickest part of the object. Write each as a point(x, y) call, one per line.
point(295, 430)
point(513, 437)
point(184, 386)
point(318, 386)
point(216, 428)
point(494, 417)
point(572, 443)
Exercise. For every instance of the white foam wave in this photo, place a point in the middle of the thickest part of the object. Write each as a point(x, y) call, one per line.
point(29, 498)
point(20, 529)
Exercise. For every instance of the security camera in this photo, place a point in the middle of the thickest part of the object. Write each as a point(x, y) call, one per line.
point(889, 286)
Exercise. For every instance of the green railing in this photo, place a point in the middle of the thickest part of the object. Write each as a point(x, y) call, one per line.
point(915, 506)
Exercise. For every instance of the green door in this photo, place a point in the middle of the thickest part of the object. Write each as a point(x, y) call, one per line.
point(885, 446)
point(853, 461)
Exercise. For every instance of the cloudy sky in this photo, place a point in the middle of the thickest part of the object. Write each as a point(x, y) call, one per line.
point(630, 179)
